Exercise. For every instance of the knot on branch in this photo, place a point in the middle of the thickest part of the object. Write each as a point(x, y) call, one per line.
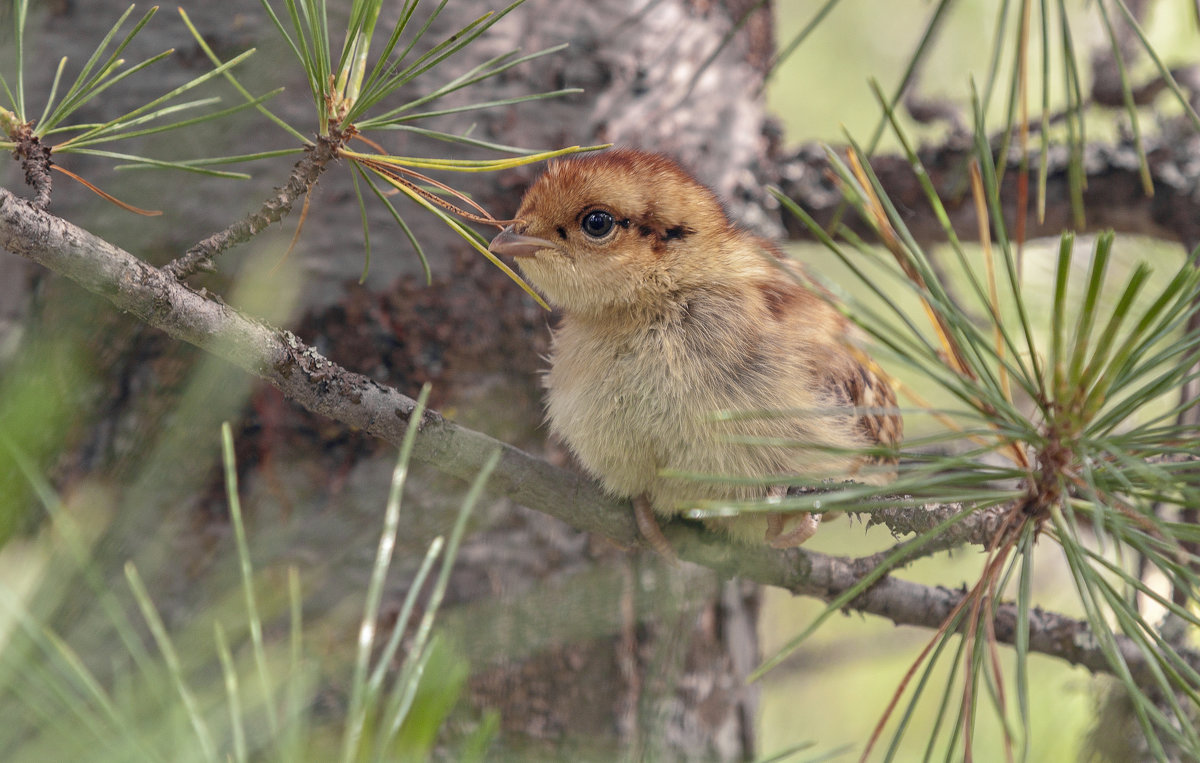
point(1054, 461)
point(35, 161)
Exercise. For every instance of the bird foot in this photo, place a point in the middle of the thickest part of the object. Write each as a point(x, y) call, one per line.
point(805, 527)
point(651, 531)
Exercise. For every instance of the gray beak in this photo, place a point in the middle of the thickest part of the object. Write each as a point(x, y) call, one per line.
point(512, 244)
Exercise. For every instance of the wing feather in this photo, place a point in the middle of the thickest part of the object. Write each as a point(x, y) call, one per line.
point(858, 384)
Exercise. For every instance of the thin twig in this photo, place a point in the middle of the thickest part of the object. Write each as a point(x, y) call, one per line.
point(304, 175)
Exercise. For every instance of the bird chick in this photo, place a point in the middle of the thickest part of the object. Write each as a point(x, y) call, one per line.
point(670, 313)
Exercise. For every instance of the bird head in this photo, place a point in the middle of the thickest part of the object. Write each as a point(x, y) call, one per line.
point(618, 229)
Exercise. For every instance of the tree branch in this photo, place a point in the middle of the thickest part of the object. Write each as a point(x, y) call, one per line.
point(303, 375)
point(304, 176)
point(1112, 196)
point(809, 573)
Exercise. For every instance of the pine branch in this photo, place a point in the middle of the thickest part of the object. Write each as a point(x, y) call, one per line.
point(304, 176)
point(303, 375)
point(808, 573)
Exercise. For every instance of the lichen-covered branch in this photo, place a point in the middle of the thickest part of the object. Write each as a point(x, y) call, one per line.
point(303, 375)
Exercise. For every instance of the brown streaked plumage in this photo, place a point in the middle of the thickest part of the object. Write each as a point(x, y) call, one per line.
point(671, 313)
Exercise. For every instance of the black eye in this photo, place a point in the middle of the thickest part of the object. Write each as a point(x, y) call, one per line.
point(597, 223)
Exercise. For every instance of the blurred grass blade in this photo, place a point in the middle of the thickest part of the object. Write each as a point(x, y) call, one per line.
point(174, 667)
point(253, 614)
point(356, 714)
point(404, 690)
point(232, 693)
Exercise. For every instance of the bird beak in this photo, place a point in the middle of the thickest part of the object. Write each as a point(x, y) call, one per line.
point(509, 242)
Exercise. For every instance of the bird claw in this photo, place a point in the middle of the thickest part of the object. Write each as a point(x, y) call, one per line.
point(776, 537)
point(651, 531)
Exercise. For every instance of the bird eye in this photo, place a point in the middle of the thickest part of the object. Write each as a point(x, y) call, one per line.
point(597, 223)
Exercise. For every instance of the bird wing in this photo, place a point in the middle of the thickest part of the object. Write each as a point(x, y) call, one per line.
point(857, 383)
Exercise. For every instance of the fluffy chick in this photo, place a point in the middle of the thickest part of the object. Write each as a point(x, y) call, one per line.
point(672, 313)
